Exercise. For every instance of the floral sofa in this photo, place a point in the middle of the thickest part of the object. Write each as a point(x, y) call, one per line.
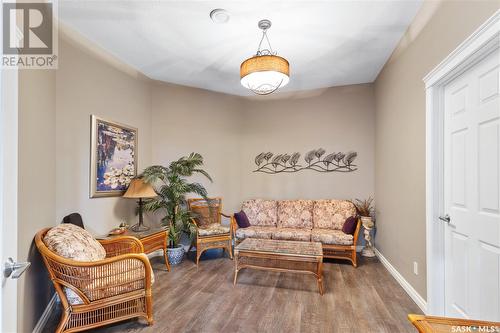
point(302, 220)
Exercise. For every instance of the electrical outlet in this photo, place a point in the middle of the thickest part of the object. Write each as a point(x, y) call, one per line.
point(415, 268)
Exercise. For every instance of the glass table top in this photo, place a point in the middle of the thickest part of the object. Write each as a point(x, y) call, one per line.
point(141, 234)
point(281, 247)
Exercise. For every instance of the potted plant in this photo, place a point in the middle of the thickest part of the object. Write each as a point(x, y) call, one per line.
point(172, 186)
point(365, 211)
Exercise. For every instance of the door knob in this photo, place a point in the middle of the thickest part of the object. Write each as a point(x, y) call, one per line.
point(445, 218)
point(14, 269)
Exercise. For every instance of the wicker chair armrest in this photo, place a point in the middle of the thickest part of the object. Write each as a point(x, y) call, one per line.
point(196, 224)
point(93, 281)
point(234, 225)
point(121, 245)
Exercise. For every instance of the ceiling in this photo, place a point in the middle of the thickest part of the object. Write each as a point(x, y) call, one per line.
point(328, 43)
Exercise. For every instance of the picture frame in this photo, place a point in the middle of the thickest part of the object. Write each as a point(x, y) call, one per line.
point(113, 157)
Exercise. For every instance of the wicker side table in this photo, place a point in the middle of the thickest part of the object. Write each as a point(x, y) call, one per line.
point(152, 240)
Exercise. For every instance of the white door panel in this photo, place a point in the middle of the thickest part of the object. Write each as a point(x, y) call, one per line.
point(472, 192)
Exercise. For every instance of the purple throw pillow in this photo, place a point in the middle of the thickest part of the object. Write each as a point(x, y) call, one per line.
point(242, 219)
point(350, 225)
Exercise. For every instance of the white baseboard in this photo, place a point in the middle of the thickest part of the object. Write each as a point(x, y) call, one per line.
point(40, 325)
point(415, 296)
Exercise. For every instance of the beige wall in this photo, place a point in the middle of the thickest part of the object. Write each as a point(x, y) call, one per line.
point(54, 148)
point(87, 85)
point(36, 187)
point(186, 120)
point(335, 119)
point(400, 129)
point(230, 131)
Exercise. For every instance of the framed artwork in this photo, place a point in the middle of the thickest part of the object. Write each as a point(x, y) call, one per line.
point(113, 157)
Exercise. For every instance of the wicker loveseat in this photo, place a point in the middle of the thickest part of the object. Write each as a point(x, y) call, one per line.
point(113, 286)
point(302, 220)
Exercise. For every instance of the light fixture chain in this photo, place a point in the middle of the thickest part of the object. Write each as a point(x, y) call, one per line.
point(270, 50)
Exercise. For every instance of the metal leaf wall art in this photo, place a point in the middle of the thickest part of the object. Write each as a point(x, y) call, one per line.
point(315, 160)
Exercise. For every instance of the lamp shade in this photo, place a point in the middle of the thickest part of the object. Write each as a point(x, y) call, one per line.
point(264, 74)
point(139, 189)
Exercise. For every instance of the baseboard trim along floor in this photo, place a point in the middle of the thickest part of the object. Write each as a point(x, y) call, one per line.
point(415, 296)
point(40, 325)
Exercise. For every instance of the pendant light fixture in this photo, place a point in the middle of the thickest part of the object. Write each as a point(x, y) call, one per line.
point(265, 72)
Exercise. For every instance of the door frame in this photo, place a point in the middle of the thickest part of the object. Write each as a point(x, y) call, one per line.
point(9, 79)
point(482, 42)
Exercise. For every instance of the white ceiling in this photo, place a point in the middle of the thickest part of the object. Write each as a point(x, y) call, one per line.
point(328, 43)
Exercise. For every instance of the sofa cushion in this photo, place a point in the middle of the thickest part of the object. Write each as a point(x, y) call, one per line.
point(295, 214)
point(213, 229)
point(331, 214)
point(255, 232)
point(261, 212)
point(294, 234)
point(72, 242)
point(329, 236)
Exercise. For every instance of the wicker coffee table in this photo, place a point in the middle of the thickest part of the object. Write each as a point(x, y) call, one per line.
point(280, 256)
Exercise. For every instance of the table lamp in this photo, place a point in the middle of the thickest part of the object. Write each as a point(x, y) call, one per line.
point(138, 189)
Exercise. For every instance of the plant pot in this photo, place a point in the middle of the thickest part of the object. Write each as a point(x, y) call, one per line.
point(175, 255)
point(367, 222)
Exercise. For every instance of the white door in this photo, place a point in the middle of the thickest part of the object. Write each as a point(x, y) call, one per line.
point(471, 192)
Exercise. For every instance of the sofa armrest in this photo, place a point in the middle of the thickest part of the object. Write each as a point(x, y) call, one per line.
point(356, 232)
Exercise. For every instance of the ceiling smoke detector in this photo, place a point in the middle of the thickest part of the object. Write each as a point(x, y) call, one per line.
point(219, 16)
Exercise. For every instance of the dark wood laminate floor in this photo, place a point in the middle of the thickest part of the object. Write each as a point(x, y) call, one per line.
point(190, 299)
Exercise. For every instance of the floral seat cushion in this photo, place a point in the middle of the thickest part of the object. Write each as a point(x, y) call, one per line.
point(295, 214)
point(261, 212)
point(295, 234)
point(332, 237)
point(116, 280)
point(213, 229)
point(331, 214)
point(255, 232)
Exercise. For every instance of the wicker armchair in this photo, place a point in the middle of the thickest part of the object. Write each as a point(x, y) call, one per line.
point(211, 234)
point(110, 290)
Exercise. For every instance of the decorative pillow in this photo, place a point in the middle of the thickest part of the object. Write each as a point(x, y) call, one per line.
point(350, 225)
point(242, 219)
point(72, 242)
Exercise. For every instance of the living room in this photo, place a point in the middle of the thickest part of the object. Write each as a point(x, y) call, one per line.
point(352, 134)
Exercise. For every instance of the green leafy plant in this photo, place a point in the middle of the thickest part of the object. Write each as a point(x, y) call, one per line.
point(172, 186)
point(364, 207)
